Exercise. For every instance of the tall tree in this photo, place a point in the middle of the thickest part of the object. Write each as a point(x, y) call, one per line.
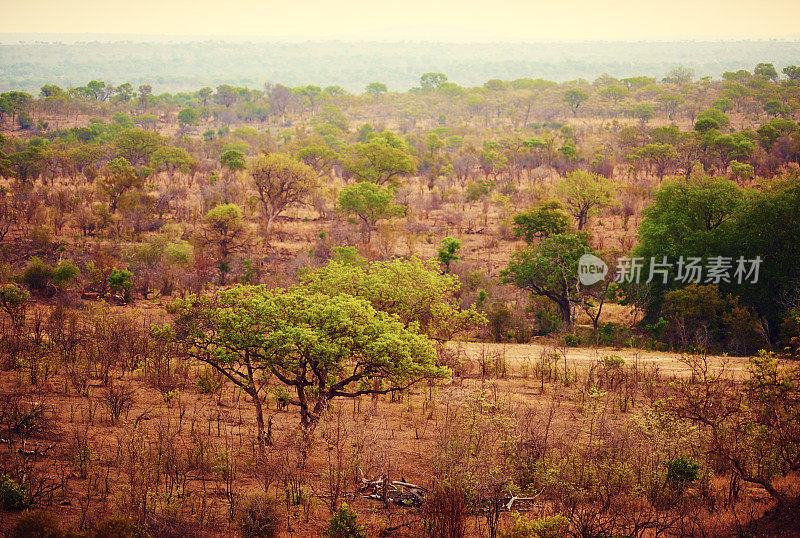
point(550, 270)
point(584, 193)
point(224, 230)
point(575, 98)
point(281, 181)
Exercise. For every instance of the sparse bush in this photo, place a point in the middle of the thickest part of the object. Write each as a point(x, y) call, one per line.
point(114, 527)
point(545, 527)
point(117, 401)
point(260, 518)
point(209, 382)
point(37, 525)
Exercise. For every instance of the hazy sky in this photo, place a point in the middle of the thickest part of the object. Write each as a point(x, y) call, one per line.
point(449, 20)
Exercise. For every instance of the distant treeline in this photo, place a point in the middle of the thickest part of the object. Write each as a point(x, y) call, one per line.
point(29, 62)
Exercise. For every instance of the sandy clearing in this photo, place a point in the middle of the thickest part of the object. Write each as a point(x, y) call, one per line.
point(518, 355)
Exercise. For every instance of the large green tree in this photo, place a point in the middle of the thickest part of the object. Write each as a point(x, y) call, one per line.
point(321, 346)
point(550, 270)
point(378, 161)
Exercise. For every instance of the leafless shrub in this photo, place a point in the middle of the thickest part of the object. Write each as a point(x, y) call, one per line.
point(117, 400)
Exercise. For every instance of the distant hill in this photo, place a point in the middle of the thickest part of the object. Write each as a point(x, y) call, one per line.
point(28, 61)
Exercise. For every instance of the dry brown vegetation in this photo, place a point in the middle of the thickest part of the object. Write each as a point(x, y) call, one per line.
point(539, 431)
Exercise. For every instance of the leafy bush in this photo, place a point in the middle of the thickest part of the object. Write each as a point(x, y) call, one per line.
point(682, 471)
point(120, 281)
point(613, 334)
point(13, 496)
point(64, 272)
point(37, 275)
point(343, 524)
point(572, 340)
point(549, 320)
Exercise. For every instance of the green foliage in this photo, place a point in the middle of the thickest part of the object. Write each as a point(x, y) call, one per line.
point(64, 273)
point(119, 177)
point(233, 159)
point(413, 290)
point(13, 300)
point(376, 89)
point(188, 117)
point(378, 161)
point(478, 189)
point(281, 181)
point(13, 496)
point(682, 471)
point(689, 218)
point(370, 202)
point(120, 281)
point(447, 252)
point(540, 222)
point(208, 383)
point(432, 81)
point(550, 269)
point(584, 194)
point(544, 527)
point(339, 344)
point(37, 275)
point(717, 116)
point(225, 231)
point(344, 524)
point(574, 99)
point(171, 159)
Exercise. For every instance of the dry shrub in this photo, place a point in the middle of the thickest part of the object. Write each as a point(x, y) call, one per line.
point(259, 517)
point(445, 510)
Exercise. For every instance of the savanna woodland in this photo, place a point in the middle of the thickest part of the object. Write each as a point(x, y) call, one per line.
point(308, 311)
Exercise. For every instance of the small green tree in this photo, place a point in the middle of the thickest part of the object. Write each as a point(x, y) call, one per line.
point(344, 524)
point(447, 252)
point(575, 98)
point(378, 161)
point(188, 117)
point(376, 89)
point(413, 290)
point(539, 222)
point(585, 193)
point(233, 159)
point(550, 269)
point(118, 178)
point(370, 203)
point(224, 230)
point(281, 181)
point(120, 282)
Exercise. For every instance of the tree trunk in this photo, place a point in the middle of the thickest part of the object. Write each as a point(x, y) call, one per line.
point(259, 423)
point(566, 311)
